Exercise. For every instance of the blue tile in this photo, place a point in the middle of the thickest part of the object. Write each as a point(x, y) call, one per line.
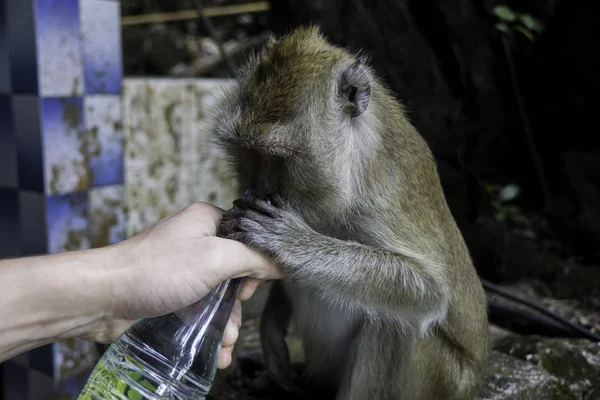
point(10, 231)
point(59, 47)
point(64, 146)
point(4, 50)
point(26, 122)
point(101, 43)
point(67, 217)
point(8, 145)
point(103, 119)
point(22, 359)
point(42, 359)
point(22, 46)
point(74, 385)
point(15, 381)
point(41, 387)
point(32, 214)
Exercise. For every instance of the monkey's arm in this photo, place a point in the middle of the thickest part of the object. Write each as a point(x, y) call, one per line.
point(373, 279)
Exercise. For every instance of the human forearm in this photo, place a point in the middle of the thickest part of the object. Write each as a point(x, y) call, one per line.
point(97, 294)
point(48, 298)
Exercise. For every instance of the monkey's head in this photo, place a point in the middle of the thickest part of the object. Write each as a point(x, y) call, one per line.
point(297, 122)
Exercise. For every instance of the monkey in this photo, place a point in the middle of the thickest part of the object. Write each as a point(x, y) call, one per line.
point(378, 281)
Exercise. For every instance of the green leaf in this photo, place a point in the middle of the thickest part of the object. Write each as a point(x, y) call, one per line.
point(504, 13)
point(502, 27)
point(509, 192)
point(531, 23)
point(500, 216)
point(525, 32)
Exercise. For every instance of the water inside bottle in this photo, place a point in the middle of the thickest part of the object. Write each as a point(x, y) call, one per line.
point(132, 369)
point(172, 357)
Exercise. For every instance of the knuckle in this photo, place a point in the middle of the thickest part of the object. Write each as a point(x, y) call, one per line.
point(199, 207)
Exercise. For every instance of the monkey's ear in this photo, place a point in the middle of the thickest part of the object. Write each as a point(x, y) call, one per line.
point(354, 89)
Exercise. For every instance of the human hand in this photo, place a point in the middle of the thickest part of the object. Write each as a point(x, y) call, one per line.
point(173, 264)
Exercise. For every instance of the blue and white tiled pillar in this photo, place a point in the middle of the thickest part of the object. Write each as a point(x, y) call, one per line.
point(61, 155)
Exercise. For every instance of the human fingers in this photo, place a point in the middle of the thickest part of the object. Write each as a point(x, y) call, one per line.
point(248, 288)
point(230, 336)
point(198, 216)
point(238, 260)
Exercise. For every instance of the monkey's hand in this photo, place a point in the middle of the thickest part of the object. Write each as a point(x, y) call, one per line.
point(410, 285)
point(269, 227)
point(263, 226)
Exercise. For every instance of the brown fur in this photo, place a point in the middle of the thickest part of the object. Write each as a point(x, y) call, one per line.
point(378, 278)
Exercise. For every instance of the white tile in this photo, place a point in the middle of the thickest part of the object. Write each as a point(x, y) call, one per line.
point(101, 44)
point(59, 55)
point(104, 123)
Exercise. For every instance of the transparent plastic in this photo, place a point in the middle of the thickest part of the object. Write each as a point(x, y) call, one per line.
point(169, 357)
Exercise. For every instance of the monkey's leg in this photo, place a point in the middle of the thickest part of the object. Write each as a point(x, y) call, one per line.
point(270, 370)
point(396, 282)
point(387, 363)
point(274, 324)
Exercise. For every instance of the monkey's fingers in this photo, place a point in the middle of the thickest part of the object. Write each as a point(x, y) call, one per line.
point(257, 204)
point(277, 201)
point(227, 227)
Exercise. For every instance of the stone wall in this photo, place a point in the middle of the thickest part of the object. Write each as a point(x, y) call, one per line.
point(169, 159)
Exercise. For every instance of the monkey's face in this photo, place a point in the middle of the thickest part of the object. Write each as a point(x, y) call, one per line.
point(288, 122)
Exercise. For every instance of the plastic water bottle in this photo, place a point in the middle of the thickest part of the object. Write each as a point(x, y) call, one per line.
point(169, 357)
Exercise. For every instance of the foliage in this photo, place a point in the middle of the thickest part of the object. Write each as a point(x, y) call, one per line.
point(510, 20)
point(502, 196)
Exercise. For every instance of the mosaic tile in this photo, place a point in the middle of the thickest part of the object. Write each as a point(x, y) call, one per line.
point(72, 386)
point(8, 145)
point(26, 122)
point(101, 42)
point(4, 50)
point(32, 214)
point(65, 154)
point(10, 228)
point(22, 52)
point(41, 359)
point(107, 215)
point(73, 357)
point(59, 47)
point(153, 192)
point(14, 381)
point(154, 119)
point(41, 387)
point(21, 359)
point(103, 118)
point(67, 217)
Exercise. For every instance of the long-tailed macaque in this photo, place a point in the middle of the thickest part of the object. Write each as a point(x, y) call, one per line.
point(378, 281)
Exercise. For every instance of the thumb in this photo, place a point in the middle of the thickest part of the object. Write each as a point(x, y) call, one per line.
point(237, 260)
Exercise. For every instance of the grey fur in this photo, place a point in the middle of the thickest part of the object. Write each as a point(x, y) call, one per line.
point(378, 278)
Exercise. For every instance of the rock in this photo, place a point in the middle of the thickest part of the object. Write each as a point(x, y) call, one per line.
point(575, 362)
point(508, 378)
